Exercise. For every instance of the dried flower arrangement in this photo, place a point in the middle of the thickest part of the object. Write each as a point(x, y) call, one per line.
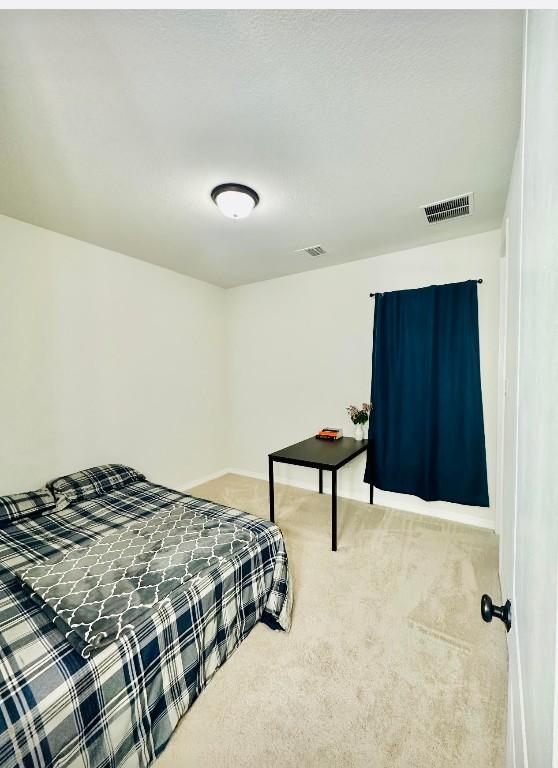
point(359, 415)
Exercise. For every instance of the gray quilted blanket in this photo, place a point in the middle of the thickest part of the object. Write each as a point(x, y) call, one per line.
point(96, 593)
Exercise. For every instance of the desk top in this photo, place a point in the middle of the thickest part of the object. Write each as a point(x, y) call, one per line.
point(321, 454)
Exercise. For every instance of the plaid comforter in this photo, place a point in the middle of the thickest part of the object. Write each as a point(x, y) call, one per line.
point(119, 707)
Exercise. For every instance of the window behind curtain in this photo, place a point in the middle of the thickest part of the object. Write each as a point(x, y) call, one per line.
point(427, 429)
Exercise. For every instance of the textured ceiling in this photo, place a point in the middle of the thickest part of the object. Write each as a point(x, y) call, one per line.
point(115, 126)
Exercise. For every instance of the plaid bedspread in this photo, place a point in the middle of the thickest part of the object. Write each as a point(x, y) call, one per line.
point(119, 707)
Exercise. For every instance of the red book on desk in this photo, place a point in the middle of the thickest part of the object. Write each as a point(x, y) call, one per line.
point(330, 433)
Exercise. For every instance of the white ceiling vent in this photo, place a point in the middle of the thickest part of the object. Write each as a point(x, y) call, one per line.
point(313, 251)
point(449, 209)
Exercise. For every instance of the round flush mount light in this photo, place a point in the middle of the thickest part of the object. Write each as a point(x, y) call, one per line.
point(236, 201)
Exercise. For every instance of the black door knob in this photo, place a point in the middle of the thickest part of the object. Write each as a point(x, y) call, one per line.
point(502, 612)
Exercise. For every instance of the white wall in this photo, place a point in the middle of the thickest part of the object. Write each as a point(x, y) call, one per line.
point(105, 359)
point(531, 417)
point(299, 351)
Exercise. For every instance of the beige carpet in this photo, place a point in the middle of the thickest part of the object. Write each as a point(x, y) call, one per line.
point(388, 662)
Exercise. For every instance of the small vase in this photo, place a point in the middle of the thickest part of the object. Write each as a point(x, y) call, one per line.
point(359, 432)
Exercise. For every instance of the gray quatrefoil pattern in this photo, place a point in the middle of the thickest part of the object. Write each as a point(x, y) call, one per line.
point(96, 593)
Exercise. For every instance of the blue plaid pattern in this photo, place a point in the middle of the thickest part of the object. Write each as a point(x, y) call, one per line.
point(92, 482)
point(120, 707)
point(21, 505)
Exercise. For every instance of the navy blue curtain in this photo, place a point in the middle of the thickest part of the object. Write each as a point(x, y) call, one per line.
point(426, 431)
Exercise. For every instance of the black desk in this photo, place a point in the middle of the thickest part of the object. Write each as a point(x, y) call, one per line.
point(330, 455)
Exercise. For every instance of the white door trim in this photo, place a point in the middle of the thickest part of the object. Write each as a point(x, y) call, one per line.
point(517, 756)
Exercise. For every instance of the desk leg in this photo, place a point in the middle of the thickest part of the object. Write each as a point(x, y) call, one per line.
point(334, 511)
point(371, 493)
point(321, 485)
point(271, 492)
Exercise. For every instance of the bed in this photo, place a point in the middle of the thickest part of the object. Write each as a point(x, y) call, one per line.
point(119, 706)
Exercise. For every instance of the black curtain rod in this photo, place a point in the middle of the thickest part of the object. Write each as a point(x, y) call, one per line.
point(478, 281)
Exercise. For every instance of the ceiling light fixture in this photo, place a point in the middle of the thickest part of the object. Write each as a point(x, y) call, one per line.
point(236, 201)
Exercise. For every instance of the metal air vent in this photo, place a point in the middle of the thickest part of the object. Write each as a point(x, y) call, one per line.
point(313, 251)
point(449, 209)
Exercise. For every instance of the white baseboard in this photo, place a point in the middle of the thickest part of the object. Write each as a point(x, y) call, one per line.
point(382, 499)
point(204, 479)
